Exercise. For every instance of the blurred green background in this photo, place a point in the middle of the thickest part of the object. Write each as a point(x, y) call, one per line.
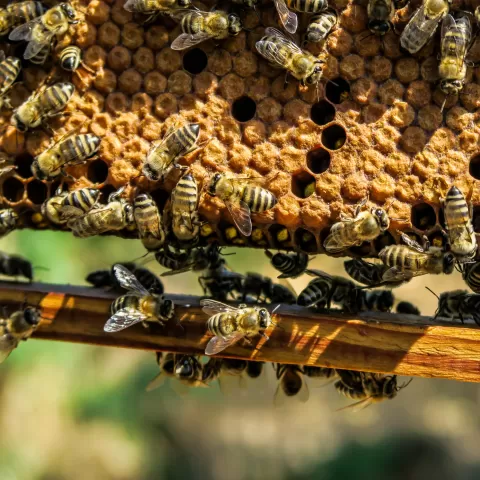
point(78, 412)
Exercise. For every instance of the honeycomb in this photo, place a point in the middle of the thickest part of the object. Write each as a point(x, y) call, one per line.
point(374, 127)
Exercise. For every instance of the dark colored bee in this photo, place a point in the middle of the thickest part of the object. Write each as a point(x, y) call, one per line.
point(15, 266)
point(459, 304)
point(291, 265)
point(407, 308)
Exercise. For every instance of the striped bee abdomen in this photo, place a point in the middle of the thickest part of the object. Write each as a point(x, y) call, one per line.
point(456, 209)
point(83, 199)
point(471, 275)
point(125, 301)
point(315, 292)
point(183, 139)
point(70, 58)
point(9, 70)
point(185, 194)
point(307, 6)
point(24, 12)
point(56, 97)
point(79, 147)
point(258, 199)
point(222, 324)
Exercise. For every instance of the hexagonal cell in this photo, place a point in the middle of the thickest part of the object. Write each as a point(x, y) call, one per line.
point(280, 236)
point(258, 237)
point(231, 234)
point(23, 164)
point(322, 112)
point(97, 171)
point(423, 216)
point(305, 240)
point(334, 137)
point(12, 189)
point(318, 160)
point(437, 239)
point(337, 90)
point(107, 190)
point(37, 192)
point(383, 240)
point(303, 184)
point(195, 61)
point(243, 109)
point(474, 167)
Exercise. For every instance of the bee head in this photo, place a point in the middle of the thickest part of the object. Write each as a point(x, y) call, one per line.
point(451, 87)
point(382, 218)
point(17, 123)
point(234, 24)
point(378, 27)
point(390, 388)
point(264, 318)
point(31, 316)
point(69, 11)
point(212, 188)
point(448, 263)
point(316, 74)
point(184, 367)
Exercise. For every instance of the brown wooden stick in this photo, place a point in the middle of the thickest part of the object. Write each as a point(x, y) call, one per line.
point(383, 343)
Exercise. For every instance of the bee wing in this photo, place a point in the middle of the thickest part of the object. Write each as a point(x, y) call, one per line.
point(357, 406)
point(332, 245)
point(5, 170)
point(24, 32)
point(35, 46)
point(421, 27)
point(156, 382)
point(128, 280)
point(395, 275)
point(218, 344)
point(289, 19)
point(272, 52)
point(447, 24)
point(187, 40)
point(69, 212)
point(240, 213)
point(211, 307)
point(7, 345)
point(123, 319)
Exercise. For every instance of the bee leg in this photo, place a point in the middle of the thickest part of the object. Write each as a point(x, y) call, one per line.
point(285, 83)
point(359, 207)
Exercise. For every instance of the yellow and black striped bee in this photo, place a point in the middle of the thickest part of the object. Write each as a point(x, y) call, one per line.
point(138, 305)
point(163, 156)
point(198, 26)
point(41, 31)
point(423, 24)
point(241, 197)
point(411, 260)
point(471, 275)
point(65, 206)
point(9, 70)
point(15, 328)
point(149, 221)
point(288, 19)
point(230, 324)
point(70, 59)
point(320, 25)
point(282, 52)
point(155, 7)
point(117, 214)
point(380, 16)
point(69, 150)
point(185, 221)
point(41, 105)
point(461, 236)
point(17, 13)
point(292, 265)
point(291, 384)
point(456, 39)
point(9, 220)
point(364, 227)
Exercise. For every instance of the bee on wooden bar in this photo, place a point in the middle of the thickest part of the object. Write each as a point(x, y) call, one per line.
point(369, 274)
point(185, 220)
point(407, 308)
point(17, 13)
point(380, 16)
point(458, 304)
point(292, 265)
point(15, 266)
point(41, 105)
point(471, 275)
point(319, 372)
point(212, 369)
point(9, 220)
point(9, 70)
point(320, 26)
point(411, 260)
point(423, 24)
point(291, 383)
point(282, 52)
point(149, 221)
point(463, 243)
point(166, 363)
point(163, 156)
point(15, 328)
point(198, 26)
point(229, 324)
point(350, 232)
point(41, 31)
point(241, 197)
point(117, 214)
point(138, 305)
point(189, 370)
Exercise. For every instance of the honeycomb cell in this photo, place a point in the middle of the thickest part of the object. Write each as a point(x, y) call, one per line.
point(130, 81)
point(132, 36)
point(364, 91)
point(418, 94)
point(257, 88)
point(322, 112)
point(262, 157)
point(352, 67)
point(243, 109)
point(254, 133)
point(108, 35)
point(382, 187)
point(373, 162)
point(156, 37)
point(12, 189)
point(423, 216)
point(269, 110)
point(23, 164)
point(339, 43)
point(283, 91)
point(334, 137)
point(318, 160)
point(413, 139)
point(105, 81)
point(384, 240)
point(458, 118)
point(119, 15)
point(116, 103)
point(280, 236)
point(100, 124)
point(408, 189)
point(470, 96)
point(154, 83)
point(425, 165)
point(355, 187)
point(391, 91)
point(354, 18)
point(430, 117)
point(305, 240)
point(168, 61)
point(407, 69)
point(468, 141)
point(429, 70)
point(143, 60)
point(195, 61)
point(329, 186)
point(314, 212)
point(367, 45)
point(238, 157)
point(232, 87)
point(245, 64)
point(295, 111)
point(402, 114)
point(380, 68)
point(301, 184)
point(97, 12)
point(142, 104)
point(373, 113)
point(37, 192)
point(219, 62)
point(179, 83)
point(85, 35)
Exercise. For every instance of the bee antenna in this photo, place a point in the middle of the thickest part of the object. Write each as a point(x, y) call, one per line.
point(276, 308)
point(443, 104)
point(41, 268)
point(333, 83)
point(430, 290)
point(405, 384)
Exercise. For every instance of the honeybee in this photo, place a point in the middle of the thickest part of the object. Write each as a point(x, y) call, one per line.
point(163, 156)
point(320, 26)
point(230, 324)
point(241, 198)
point(189, 370)
point(291, 383)
point(380, 16)
point(138, 305)
point(15, 328)
point(185, 220)
point(282, 52)
point(370, 274)
point(364, 227)
point(15, 266)
point(149, 221)
point(412, 260)
point(377, 301)
point(198, 26)
point(69, 150)
point(212, 369)
point(18, 12)
point(70, 59)
point(41, 31)
point(9, 69)
point(319, 372)
point(154, 7)
point(471, 275)
point(9, 220)
point(65, 206)
point(41, 105)
point(115, 215)
point(166, 363)
point(407, 308)
point(458, 304)
point(177, 261)
point(292, 265)
point(461, 236)
point(423, 24)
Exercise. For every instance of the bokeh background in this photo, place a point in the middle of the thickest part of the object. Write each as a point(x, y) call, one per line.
point(79, 412)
